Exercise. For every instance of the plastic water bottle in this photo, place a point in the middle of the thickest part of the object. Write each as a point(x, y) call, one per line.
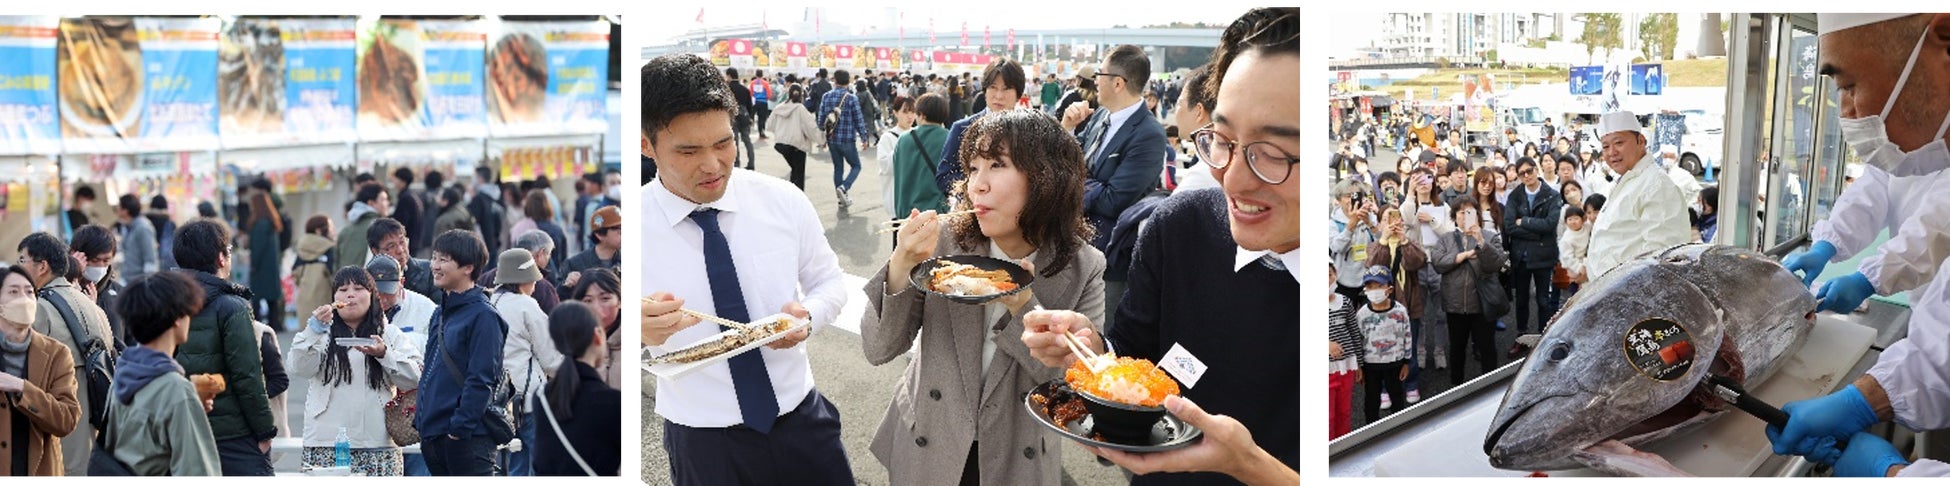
point(342, 451)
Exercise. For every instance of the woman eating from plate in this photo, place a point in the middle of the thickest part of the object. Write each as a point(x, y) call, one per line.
point(355, 362)
point(959, 414)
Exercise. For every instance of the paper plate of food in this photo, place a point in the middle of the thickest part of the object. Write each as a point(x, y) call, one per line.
point(1121, 408)
point(685, 358)
point(970, 279)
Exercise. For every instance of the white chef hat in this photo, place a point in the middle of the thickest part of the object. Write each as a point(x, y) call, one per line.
point(1618, 121)
point(1836, 22)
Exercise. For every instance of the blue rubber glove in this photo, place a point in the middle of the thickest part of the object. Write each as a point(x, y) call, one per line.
point(1810, 263)
point(1816, 425)
point(1868, 456)
point(1844, 295)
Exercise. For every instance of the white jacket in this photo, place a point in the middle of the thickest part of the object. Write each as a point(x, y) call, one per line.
point(884, 154)
point(415, 317)
point(1571, 249)
point(1916, 370)
point(1644, 213)
point(353, 405)
point(528, 355)
point(793, 125)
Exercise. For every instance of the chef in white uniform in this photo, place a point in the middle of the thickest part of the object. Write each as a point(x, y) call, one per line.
point(1901, 189)
point(1644, 212)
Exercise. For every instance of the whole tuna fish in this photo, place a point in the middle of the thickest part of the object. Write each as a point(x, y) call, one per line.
point(1623, 361)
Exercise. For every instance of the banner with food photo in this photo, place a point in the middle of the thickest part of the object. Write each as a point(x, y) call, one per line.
point(548, 78)
point(843, 57)
point(455, 53)
point(286, 81)
point(821, 57)
point(774, 55)
point(28, 120)
point(132, 85)
point(392, 80)
point(721, 52)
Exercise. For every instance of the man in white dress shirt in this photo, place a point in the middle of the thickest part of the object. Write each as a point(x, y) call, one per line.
point(742, 246)
point(1645, 212)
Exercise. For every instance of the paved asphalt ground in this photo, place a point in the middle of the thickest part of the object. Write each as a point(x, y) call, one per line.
point(840, 370)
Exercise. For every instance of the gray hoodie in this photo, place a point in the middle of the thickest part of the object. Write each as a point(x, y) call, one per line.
point(156, 421)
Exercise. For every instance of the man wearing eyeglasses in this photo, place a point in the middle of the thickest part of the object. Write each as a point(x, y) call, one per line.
point(1123, 146)
point(1216, 277)
point(1645, 211)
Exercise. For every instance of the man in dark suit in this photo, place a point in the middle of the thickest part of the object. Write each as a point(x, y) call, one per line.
point(1124, 146)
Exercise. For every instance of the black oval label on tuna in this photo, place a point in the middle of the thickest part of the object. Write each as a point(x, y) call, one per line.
point(1659, 349)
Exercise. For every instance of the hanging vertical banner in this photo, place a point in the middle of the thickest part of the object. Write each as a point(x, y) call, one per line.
point(131, 85)
point(455, 52)
point(776, 53)
point(548, 78)
point(392, 80)
point(820, 57)
point(795, 56)
point(741, 55)
point(28, 120)
point(762, 54)
point(843, 57)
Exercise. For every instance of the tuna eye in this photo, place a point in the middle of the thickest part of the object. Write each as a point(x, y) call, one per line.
point(1560, 351)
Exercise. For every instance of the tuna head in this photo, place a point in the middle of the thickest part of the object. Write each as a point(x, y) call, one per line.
point(1622, 352)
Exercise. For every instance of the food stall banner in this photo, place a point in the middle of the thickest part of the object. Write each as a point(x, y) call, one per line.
point(548, 78)
point(392, 79)
point(721, 53)
point(455, 52)
point(281, 82)
point(795, 56)
point(844, 57)
point(28, 120)
point(742, 55)
point(136, 85)
point(883, 59)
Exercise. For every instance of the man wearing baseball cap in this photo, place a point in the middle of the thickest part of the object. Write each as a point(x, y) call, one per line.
point(606, 229)
point(412, 313)
point(1895, 115)
point(1645, 211)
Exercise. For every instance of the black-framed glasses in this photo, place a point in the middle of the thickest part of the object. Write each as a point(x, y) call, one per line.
point(1269, 163)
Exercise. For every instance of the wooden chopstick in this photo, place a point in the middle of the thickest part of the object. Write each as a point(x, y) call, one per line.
point(895, 225)
point(716, 320)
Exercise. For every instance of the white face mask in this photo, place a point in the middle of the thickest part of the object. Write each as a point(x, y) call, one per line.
point(1377, 295)
point(94, 274)
point(616, 192)
point(1869, 136)
point(20, 311)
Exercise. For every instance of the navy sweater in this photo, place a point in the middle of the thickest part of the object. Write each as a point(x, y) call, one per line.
point(470, 328)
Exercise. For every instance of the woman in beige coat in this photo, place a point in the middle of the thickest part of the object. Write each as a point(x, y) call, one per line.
point(36, 384)
point(957, 414)
point(798, 133)
point(312, 273)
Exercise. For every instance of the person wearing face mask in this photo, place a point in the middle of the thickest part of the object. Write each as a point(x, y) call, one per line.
point(1903, 160)
point(71, 318)
point(94, 252)
point(37, 385)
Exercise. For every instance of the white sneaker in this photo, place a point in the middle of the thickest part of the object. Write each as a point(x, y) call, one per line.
point(1385, 402)
point(1414, 396)
point(1441, 361)
point(845, 200)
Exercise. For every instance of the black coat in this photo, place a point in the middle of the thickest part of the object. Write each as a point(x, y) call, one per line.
point(597, 415)
point(1530, 226)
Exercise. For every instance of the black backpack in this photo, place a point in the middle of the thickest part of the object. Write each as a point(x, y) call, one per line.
point(831, 122)
point(97, 360)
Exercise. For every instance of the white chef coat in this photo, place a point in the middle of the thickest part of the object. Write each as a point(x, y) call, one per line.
point(1644, 213)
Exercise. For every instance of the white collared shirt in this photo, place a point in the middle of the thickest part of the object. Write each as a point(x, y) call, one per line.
point(1245, 257)
point(780, 250)
point(1117, 119)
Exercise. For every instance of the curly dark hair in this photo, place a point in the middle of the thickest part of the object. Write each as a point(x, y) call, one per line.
point(336, 368)
point(1269, 30)
point(1051, 161)
point(681, 84)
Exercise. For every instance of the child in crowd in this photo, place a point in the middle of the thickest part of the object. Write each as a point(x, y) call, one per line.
point(1386, 325)
point(1571, 248)
point(1344, 348)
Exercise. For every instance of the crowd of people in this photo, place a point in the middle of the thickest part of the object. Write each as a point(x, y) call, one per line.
point(1434, 258)
point(1129, 256)
point(412, 326)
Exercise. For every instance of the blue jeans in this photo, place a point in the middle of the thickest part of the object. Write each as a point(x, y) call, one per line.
point(523, 463)
point(416, 465)
point(850, 153)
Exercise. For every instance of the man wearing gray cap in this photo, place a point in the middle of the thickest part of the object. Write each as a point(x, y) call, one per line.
point(1645, 211)
point(405, 308)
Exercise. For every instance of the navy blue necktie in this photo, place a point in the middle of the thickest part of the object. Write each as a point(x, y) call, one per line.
point(757, 404)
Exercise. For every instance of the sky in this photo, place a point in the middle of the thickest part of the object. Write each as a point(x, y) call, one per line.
point(669, 21)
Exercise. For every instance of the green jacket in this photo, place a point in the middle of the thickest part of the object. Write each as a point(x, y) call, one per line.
point(163, 432)
point(1051, 92)
point(222, 340)
point(914, 170)
point(352, 240)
